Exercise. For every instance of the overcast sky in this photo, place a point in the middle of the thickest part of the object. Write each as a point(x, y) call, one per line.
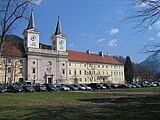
point(97, 25)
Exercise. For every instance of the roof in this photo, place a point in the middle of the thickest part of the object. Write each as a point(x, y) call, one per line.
point(44, 46)
point(91, 58)
point(31, 23)
point(58, 28)
point(13, 46)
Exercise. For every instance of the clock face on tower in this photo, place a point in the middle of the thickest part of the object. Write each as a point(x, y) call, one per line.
point(33, 37)
point(61, 42)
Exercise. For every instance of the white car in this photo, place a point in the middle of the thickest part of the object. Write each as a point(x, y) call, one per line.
point(63, 87)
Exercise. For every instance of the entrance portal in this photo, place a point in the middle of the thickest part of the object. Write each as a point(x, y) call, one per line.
point(50, 80)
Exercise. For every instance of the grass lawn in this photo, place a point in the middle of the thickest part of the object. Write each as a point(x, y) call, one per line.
point(130, 104)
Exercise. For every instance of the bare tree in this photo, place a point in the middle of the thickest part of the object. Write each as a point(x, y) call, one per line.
point(10, 12)
point(146, 13)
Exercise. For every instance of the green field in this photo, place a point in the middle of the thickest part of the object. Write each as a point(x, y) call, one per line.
point(130, 104)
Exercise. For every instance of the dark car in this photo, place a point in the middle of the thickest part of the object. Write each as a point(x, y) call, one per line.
point(94, 86)
point(28, 88)
point(2, 88)
point(15, 88)
point(115, 86)
point(40, 87)
point(51, 87)
point(108, 86)
point(123, 86)
point(72, 87)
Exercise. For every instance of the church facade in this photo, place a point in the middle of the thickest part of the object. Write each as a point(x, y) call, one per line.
point(28, 59)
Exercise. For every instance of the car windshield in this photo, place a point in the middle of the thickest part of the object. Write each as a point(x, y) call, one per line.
point(52, 85)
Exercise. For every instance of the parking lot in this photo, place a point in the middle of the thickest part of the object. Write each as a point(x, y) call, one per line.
point(19, 87)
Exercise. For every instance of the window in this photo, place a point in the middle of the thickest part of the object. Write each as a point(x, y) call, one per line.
point(34, 62)
point(90, 79)
point(84, 65)
point(102, 66)
point(69, 64)
point(20, 70)
point(80, 72)
point(85, 72)
point(33, 70)
point(94, 72)
point(106, 66)
point(103, 72)
point(111, 73)
point(99, 72)
point(85, 80)
point(98, 66)
point(9, 69)
point(70, 72)
point(63, 71)
point(80, 79)
point(74, 72)
point(21, 61)
point(63, 64)
point(9, 60)
point(90, 72)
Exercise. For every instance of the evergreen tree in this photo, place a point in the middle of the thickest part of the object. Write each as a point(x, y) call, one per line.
point(128, 70)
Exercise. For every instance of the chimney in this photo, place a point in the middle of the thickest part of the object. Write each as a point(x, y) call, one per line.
point(88, 52)
point(40, 46)
point(101, 54)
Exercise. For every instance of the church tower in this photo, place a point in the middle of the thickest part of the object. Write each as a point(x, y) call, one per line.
point(58, 38)
point(31, 34)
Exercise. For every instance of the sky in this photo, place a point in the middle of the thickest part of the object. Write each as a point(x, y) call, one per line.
point(95, 25)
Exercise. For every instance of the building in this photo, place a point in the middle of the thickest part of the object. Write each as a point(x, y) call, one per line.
point(85, 67)
point(29, 59)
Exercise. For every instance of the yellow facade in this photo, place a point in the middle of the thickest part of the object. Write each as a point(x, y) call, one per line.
point(85, 73)
point(12, 70)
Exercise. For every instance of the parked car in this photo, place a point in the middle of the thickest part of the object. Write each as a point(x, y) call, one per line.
point(15, 88)
point(63, 87)
point(51, 87)
point(102, 87)
point(115, 86)
point(153, 84)
point(108, 86)
point(72, 87)
point(81, 87)
point(157, 83)
point(86, 87)
point(137, 85)
point(40, 87)
point(28, 88)
point(123, 86)
point(2, 88)
point(94, 86)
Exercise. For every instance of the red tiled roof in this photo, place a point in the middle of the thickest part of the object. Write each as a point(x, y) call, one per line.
point(94, 58)
point(10, 50)
point(13, 46)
